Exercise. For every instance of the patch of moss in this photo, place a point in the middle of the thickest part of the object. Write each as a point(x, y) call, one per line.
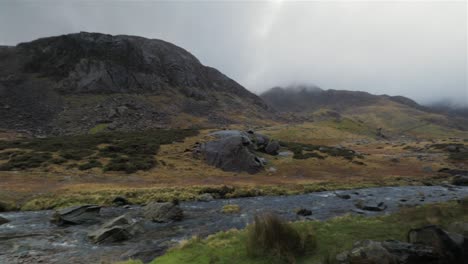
point(230, 209)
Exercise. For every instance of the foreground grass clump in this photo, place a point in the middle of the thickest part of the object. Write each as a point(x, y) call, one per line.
point(331, 237)
point(271, 237)
point(126, 151)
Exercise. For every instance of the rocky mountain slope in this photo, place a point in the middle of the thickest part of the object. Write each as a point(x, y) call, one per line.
point(88, 82)
point(393, 113)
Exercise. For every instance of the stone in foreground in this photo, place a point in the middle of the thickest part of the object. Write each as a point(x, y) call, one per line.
point(116, 230)
point(163, 212)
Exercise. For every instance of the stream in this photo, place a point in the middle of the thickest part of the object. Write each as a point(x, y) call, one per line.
point(29, 237)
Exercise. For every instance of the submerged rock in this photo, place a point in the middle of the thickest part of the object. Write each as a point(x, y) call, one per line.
point(3, 220)
point(304, 212)
point(370, 205)
point(163, 212)
point(76, 215)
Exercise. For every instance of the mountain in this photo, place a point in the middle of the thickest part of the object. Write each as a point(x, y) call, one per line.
point(397, 114)
point(88, 82)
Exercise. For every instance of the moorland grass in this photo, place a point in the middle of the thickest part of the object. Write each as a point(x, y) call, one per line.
point(128, 151)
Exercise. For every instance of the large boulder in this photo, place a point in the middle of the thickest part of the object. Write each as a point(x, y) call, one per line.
point(231, 150)
point(163, 212)
point(76, 215)
point(449, 246)
point(118, 229)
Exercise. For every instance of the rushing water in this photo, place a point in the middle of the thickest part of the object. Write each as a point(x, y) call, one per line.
point(31, 238)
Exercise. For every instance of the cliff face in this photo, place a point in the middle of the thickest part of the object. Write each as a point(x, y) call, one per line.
point(73, 83)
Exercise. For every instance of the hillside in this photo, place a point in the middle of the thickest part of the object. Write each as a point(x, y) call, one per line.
point(362, 112)
point(91, 82)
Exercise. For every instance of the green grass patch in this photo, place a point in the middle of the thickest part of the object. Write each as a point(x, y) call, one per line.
point(331, 237)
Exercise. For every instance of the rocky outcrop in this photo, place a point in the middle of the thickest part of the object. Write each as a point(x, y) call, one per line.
point(427, 245)
point(163, 212)
point(118, 229)
point(71, 83)
point(449, 246)
point(234, 150)
point(76, 215)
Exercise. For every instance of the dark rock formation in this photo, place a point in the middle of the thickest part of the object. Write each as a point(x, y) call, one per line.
point(76, 215)
point(448, 246)
point(460, 180)
point(162, 212)
point(3, 220)
point(71, 83)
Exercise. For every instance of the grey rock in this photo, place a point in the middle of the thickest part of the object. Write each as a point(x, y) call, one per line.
point(76, 215)
point(451, 249)
point(231, 151)
point(272, 148)
point(370, 205)
point(205, 197)
point(118, 229)
point(162, 212)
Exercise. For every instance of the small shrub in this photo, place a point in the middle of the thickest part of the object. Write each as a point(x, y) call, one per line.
point(231, 209)
point(26, 160)
point(270, 236)
point(90, 164)
point(76, 154)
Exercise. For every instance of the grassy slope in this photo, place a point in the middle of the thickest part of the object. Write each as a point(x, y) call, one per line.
point(332, 236)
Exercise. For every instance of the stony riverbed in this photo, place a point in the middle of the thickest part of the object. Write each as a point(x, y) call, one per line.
point(29, 237)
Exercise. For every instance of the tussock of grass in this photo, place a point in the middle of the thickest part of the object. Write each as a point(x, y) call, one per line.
point(230, 209)
point(270, 236)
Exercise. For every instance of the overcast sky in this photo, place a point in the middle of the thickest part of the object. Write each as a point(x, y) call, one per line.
point(412, 48)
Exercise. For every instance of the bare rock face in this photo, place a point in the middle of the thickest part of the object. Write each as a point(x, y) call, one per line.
point(69, 84)
point(163, 212)
point(76, 215)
